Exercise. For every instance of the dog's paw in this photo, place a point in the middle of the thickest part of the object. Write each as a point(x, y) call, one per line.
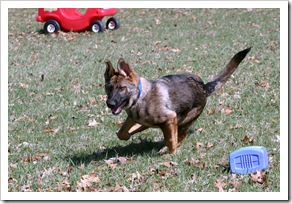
point(123, 136)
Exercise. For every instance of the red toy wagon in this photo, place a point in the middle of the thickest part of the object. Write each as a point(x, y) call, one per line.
point(71, 19)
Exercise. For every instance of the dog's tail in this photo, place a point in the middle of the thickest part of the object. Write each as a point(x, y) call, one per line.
point(212, 86)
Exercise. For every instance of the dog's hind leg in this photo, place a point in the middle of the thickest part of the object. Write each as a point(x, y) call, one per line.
point(182, 134)
point(190, 118)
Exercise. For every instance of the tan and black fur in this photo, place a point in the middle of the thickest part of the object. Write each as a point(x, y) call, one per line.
point(171, 103)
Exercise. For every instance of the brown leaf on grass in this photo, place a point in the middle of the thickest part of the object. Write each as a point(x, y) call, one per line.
point(25, 188)
point(87, 180)
point(11, 180)
point(50, 119)
point(219, 185)
point(30, 159)
point(25, 118)
point(122, 160)
point(248, 140)
point(202, 165)
point(163, 173)
point(190, 161)
point(166, 48)
point(63, 187)
point(211, 111)
point(169, 164)
point(236, 184)
point(209, 145)
point(112, 162)
point(13, 165)
point(92, 101)
point(76, 87)
point(118, 188)
point(226, 110)
point(258, 177)
point(40, 155)
point(157, 21)
point(234, 127)
point(175, 50)
point(136, 177)
point(92, 123)
point(66, 185)
point(53, 130)
point(23, 85)
point(199, 130)
point(46, 130)
point(199, 145)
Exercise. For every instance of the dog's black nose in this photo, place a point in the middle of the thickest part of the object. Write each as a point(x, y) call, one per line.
point(111, 104)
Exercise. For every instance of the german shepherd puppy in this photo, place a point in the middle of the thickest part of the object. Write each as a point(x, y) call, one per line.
point(171, 103)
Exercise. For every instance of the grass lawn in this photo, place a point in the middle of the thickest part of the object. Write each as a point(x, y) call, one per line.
point(62, 135)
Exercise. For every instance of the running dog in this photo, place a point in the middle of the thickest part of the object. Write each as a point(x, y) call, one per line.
point(172, 103)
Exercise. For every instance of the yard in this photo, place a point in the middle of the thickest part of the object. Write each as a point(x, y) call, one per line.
point(62, 137)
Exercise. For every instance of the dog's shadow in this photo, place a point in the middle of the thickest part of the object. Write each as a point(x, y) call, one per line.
point(141, 148)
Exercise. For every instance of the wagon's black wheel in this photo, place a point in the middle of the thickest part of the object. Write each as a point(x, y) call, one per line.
point(97, 27)
point(113, 23)
point(51, 26)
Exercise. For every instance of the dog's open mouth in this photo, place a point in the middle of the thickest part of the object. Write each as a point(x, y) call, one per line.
point(118, 110)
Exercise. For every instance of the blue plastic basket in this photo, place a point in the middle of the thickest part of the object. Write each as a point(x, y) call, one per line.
point(248, 159)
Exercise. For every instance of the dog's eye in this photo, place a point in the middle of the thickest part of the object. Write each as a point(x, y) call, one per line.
point(122, 88)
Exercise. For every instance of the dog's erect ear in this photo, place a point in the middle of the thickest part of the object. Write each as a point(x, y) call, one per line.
point(110, 71)
point(124, 69)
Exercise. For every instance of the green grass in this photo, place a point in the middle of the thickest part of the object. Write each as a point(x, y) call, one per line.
point(155, 42)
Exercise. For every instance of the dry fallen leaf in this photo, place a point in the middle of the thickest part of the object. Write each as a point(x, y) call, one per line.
point(211, 111)
point(13, 165)
point(87, 180)
point(169, 164)
point(247, 139)
point(122, 160)
point(92, 123)
point(157, 21)
point(92, 101)
point(209, 145)
point(25, 188)
point(219, 185)
point(259, 177)
point(234, 127)
point(30, 159)
point(25, 118)
point(23, 85)
point(190, 161)
point(11, 180)
point(199, 145)
point(199, 130)
point(112, 162)
point(54, 131)
point(136, 177)
point(202, 165)
point(176, 50)
point(226, 110)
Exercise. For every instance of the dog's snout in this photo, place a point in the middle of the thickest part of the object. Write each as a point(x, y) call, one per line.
point(110, 103)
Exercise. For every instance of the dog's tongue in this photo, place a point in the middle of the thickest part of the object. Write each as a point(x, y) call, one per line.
point(117, 110)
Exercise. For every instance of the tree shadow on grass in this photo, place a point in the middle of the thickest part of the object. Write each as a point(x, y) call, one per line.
point(142, 148)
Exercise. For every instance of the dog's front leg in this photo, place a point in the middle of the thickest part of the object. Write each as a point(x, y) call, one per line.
point(137, 128)
point(123, 133)
point(169, 129)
